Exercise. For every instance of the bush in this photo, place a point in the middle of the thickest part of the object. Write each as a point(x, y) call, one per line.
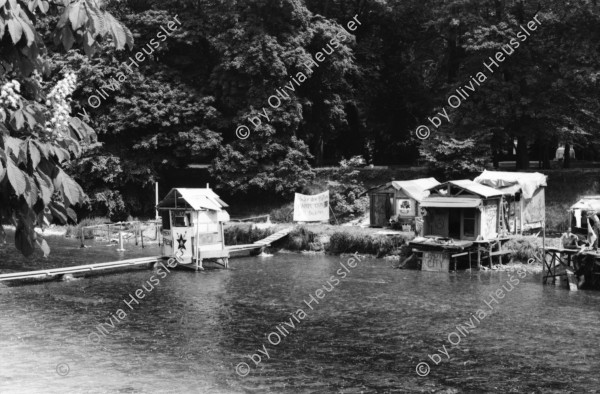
point(75, 231)
point(284, 214)
point(557, 218)
point(301, 239)
point(109, 203)
point(524, 248)
point(379, 245)
point(244, 234)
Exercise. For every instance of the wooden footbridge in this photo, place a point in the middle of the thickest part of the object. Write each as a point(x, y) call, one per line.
point(148, 262)
point(263, 243)
point(79, 270)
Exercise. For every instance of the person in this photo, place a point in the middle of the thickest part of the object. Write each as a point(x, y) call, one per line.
point(583, 265)
point(570, 240)
point(593, 229)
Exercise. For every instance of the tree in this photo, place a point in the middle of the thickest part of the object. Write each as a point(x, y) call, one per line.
point(38, 135)
point(541, 94)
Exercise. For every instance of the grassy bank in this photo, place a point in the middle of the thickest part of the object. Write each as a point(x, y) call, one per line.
point(323, 238)
point(350, 239)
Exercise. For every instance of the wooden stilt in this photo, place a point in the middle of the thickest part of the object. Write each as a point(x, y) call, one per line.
point(572, 280)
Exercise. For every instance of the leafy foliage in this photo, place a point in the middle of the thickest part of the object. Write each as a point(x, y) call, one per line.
point(37, 137)
point(347, 192)
point(451, 158)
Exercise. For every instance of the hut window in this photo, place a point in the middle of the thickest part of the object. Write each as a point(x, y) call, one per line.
point(181, 219)
point(461, 223)
point(469, 222)
point(166, 222)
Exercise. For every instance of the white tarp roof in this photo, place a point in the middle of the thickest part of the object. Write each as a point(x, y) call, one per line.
point(527, 181)
point(588, 203)
point(416, 188)
point(197, 199)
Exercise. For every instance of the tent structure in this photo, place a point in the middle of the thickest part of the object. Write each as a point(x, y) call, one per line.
point(193, 226)
point(579, 222)
point(524, 205)
point(398, 199)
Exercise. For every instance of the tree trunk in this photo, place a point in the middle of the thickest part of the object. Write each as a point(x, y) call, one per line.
point(567, 156)
point(499, 5)
point(495, 159)
point(453, 55)
point(522, 154)
point(318, 151)
point(546, 155)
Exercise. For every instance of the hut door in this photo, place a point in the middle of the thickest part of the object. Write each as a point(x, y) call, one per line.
point(381, 210)
point(439, 222)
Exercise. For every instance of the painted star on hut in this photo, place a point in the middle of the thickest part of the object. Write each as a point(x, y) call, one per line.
point(181, 241)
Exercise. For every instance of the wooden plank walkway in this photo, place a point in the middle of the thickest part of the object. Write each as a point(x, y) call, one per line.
point(43, 274)
point(89, 268)
point(262, 243)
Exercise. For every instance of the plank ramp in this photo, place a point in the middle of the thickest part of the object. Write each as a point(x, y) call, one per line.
point(262, 243)
point(41, 274)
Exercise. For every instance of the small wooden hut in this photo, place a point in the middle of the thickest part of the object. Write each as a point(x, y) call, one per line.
point(457, 215)
point(398, 198)
point(193, 226)
point(462, 210)
point(524, 204)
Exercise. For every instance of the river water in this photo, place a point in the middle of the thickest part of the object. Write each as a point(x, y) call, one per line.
point(366, 335)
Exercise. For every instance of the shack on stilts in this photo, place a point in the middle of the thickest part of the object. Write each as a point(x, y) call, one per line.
point(193, 227)
point(576, 262)
point(461, 219)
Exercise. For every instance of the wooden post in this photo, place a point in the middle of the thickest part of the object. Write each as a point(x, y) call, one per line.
point(521, 213)
point(121, 246)
point(82, 236)
point(141, 235)
point(544, 237)
point(156, 200)
point(197, 225)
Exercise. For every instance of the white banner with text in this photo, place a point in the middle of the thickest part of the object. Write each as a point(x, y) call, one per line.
point(311, 208)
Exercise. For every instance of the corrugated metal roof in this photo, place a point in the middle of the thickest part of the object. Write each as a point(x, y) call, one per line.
point(527, 181)
point(197, 199)
point(416, 188)
point(451, 202)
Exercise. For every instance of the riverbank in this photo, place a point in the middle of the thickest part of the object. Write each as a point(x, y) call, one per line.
point(327, 239)
point(377, 242)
